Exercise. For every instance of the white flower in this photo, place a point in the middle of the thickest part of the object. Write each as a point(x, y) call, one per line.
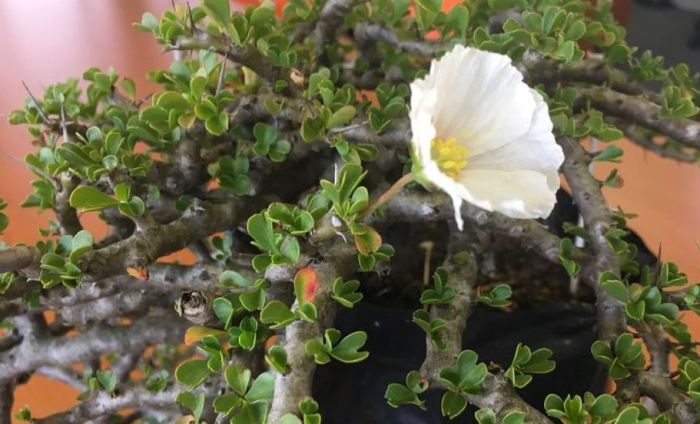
point(483, 136)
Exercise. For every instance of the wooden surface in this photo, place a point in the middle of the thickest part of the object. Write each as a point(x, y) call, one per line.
point(45, 41)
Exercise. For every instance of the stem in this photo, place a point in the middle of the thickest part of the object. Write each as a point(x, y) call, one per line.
point(387, 195)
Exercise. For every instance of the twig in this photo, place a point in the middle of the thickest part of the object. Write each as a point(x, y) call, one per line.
point(637, 136)
point(370, 33)
point(103, 404)
point(644, 113)
point(32, 354)
point(43, 116)
point(247, 55)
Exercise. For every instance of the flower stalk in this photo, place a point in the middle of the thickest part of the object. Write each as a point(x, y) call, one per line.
point(388, 194)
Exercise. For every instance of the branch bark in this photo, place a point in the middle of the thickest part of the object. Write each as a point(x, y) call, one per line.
point(641, 111)
point(34, 353)
point(295, 385)
point(597, 219)
point(497, 392)
point(103, 404)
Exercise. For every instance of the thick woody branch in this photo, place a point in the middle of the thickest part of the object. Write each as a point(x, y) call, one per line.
point(665, 149)
point(641, 111)
point(597, 219)
point(370, 33)
point(18, 258)
point(295, 385)
point(668, 397)
point(144, 247)
point(331, 18)
point(34, 353)
point(103, 404)
point(7, 391)
point(592, 71)
point(420, 206)
point(66, 216)
point(123, 304)
point(462, 278)
point(197, 277)
point(64, 375)
point(658, 345)
point(497, 393)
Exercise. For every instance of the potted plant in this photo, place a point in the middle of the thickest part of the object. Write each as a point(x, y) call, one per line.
point(371, 193)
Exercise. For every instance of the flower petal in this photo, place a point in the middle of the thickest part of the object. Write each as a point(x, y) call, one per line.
point(536, 150)
point(481, 99)
point(422, 105)
point(516, 193)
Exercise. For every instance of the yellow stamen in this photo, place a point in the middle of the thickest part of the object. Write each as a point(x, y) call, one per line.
point(451, 157)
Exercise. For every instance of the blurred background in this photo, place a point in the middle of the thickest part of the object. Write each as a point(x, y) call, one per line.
point(45, 41)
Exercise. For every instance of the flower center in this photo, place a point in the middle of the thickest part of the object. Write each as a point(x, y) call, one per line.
point(451, 157)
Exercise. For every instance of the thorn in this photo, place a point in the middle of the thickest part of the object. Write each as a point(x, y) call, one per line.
point(64, 127)
point(36, 104)
point(189, 13)
point(220, 83)
point(427, 246)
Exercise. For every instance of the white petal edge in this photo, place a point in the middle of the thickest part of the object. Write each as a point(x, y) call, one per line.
point(521, 194)
point(537, 150)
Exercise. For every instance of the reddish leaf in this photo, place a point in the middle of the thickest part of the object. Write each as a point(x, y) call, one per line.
point(369, 241)
point(305, 285)
point(196, 334)
point(138, 272)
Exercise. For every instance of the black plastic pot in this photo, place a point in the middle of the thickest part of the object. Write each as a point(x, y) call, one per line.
point(355, 393)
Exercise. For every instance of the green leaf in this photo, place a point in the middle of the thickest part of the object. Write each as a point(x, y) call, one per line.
point(398, 394)
point(122, 192)
point(230, 278)
point(192, 373)
point(290, 249)
point(261, 230)
point(616, 289)
point(107, 379)
point(88, 198)
point(348, 349)
point(237, 378)
point(220, 10)
point(148, 21)
point(81, 244)
point(173, 100)
point(277, 358)
point(611, 153)
point(251, 413)
point(223, 309)
point(157, 381)
point(217, 124)
point(341, 116)
point(194, 403)
point(276, 312)
point(262, 388)
point(452, 404)
point(565, 51)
